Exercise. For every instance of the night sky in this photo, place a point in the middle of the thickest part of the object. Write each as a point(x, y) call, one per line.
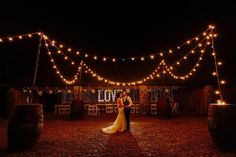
point(113, 29)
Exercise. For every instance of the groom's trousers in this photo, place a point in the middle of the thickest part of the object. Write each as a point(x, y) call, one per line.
point(127, 117)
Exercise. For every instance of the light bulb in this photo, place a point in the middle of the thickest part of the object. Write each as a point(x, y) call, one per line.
point(219, 63)
point(77, 53)
point(86, 55)
point(217, 92)
point(222, 82)
point(95, 57)
point(69, 49)
point(104, 59)
point(113, 60)
point(170, 51)
point(142, 58)
point(61, 46)
point(132, 58)
point(152, 57)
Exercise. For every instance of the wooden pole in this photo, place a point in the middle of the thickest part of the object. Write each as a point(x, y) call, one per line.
point(36, 68)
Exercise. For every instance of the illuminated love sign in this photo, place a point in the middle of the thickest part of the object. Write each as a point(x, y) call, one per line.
point(107, 95)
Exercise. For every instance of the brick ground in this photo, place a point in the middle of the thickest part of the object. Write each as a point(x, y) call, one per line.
point(149, 136)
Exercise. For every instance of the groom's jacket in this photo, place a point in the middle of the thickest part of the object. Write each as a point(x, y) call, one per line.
point(127, 101)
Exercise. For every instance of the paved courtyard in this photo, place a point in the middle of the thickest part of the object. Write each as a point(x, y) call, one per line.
point(149, 136)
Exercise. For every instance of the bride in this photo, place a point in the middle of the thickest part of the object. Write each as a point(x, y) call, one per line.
point(120, 123)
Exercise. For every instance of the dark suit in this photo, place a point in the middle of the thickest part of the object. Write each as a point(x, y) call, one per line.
point(127, 111)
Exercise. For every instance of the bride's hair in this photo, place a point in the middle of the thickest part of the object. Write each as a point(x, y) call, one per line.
point(118, 95)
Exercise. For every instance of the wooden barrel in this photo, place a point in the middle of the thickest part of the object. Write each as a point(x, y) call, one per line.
point(24, 127)
point(221, 124)
point(77, 110)
point(163, 108)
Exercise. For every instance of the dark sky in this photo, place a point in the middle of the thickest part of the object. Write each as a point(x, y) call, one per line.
point(119, 28)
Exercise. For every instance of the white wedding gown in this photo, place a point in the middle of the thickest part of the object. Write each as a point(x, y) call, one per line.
point(118, 125)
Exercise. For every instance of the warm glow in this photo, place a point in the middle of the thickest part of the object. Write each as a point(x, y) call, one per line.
point(61, 46)
point(104, 59)
point(132, 58)
point(113, 60)
point(69, 49)
point(222, 82)
point(77, 53)
point(217, 92)
point(152, 57)
point(142, 58)
point(219, 63)
point(86, 55)
point(95, 57)
point(214, 73)
point(65, 57)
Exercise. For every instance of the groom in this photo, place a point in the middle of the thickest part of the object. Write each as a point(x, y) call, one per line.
point(127, 104)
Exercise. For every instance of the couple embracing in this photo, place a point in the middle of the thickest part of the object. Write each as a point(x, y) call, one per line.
point(122, 122)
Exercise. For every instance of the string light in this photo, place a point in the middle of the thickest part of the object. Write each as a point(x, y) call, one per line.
point(152, 56)
point(219, 63)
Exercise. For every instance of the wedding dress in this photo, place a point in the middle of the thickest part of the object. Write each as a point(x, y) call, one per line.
point(120, 123)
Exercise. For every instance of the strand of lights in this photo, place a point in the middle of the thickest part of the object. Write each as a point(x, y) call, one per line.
point(58, 72)
point(193, 70)
point(18, 37)
point(153, 75)
point(192, 51)
point(135, 58)
point(100, 78)
point(216, 73)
